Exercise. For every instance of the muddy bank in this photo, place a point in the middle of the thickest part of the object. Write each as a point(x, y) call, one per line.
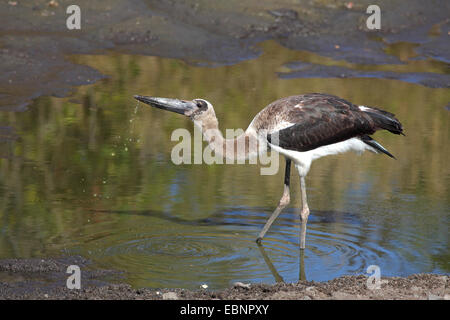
point(33, 278)
point(46, 279)
point(35, 43)
point(311, 70)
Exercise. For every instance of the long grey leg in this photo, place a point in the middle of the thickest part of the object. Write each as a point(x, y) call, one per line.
point(303, 214)
point(284, 201)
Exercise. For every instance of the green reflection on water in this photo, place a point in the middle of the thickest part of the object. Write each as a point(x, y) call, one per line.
point(91, 174)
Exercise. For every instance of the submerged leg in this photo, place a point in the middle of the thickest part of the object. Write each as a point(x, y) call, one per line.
point(284, 201)
point(303, 214)
point(302, 271)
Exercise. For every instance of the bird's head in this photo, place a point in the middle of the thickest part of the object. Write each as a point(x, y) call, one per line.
point(197, 109)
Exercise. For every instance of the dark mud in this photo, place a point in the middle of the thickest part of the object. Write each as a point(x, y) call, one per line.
point(311, 70)
point(46, 279)
point(35, 43)
point(33, 278)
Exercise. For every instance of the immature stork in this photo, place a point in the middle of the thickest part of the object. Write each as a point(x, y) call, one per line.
point(302, 128)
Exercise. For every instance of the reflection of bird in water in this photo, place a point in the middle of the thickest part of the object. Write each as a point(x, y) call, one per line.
point(302, 128)
point(273, 270)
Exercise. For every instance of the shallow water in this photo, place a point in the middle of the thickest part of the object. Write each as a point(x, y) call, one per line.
point(91, 174)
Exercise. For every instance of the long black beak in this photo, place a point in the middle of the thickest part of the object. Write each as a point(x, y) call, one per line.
point(174, 105)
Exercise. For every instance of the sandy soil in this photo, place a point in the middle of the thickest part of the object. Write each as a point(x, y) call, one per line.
point(46, 279)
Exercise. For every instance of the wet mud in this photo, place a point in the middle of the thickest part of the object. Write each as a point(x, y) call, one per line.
point(311, 70)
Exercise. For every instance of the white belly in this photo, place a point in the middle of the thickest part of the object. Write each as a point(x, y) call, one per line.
point(303, 160)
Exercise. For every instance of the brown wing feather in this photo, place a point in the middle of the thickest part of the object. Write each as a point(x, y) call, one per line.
point(321, 120)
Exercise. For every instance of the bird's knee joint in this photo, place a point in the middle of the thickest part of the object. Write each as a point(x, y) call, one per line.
point(284, 201)
point(304, 214)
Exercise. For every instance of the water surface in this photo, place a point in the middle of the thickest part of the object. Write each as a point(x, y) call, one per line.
point(91, 174)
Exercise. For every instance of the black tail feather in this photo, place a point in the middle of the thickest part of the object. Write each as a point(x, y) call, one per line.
point(371, 142)
point(385, 120)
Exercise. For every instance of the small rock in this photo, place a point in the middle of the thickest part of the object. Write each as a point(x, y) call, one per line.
point(53, 3)
point(284, 13)
point(170, 296)
point(242, 285)
point(204, 286)
point(338, 295)
point(434, 297)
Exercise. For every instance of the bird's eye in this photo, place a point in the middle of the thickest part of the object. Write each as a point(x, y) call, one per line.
point(201, 104)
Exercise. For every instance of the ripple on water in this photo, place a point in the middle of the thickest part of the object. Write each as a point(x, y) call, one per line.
point(222, 252)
